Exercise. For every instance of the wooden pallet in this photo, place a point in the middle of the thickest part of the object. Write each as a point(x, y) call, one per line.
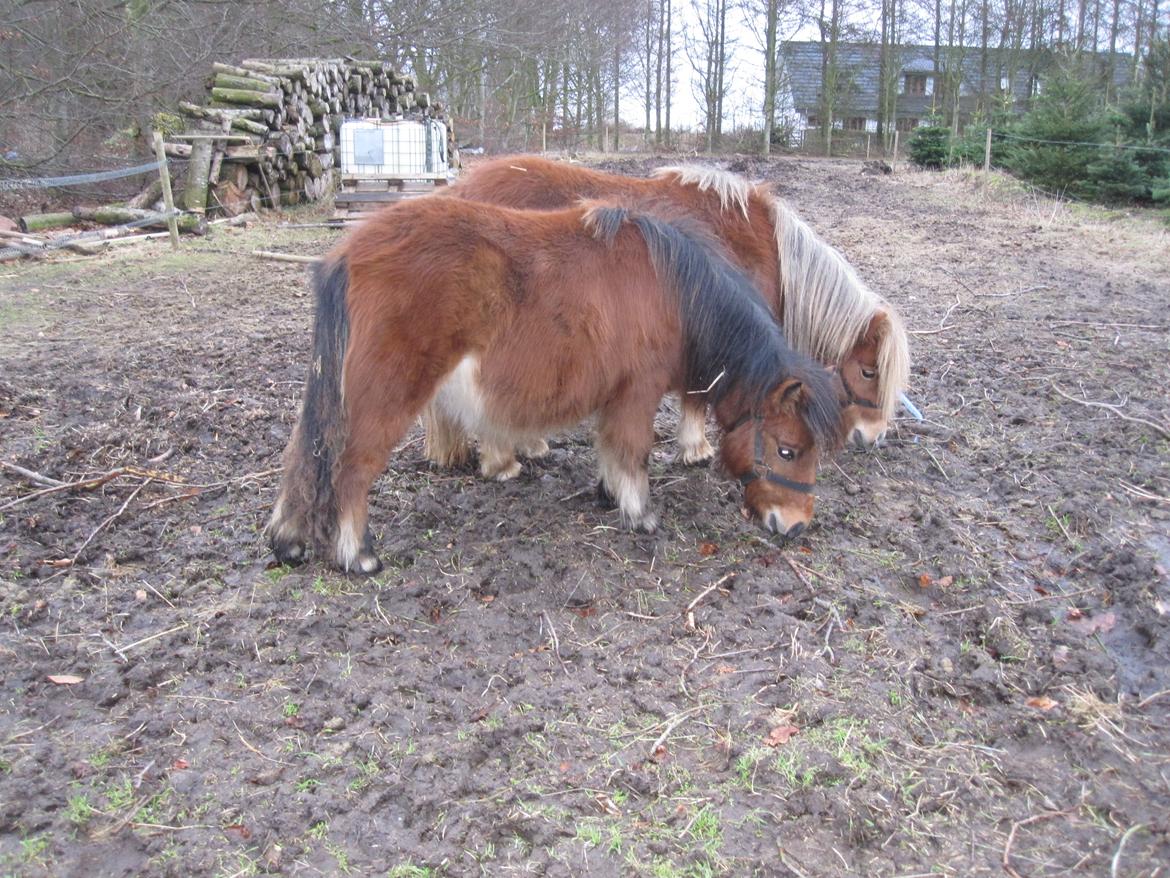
point(358, 197)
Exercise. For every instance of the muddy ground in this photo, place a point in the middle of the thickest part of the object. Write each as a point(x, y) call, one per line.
point(962, 669)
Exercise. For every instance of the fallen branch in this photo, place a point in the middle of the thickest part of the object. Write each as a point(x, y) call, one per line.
point(1116, 409)
point(31, 475)
point(283, 257)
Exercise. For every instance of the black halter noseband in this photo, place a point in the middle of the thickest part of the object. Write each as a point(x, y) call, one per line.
point(769, 474)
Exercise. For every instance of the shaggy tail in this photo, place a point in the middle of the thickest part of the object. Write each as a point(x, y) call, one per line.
point(306, 510)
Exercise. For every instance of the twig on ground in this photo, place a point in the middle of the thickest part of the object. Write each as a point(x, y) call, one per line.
point(255, 750)
point(555, 642)
point(83, 485)
point(1120, 846)
point(689, 612)
point(31, 475)
point(1116, 409)
point(799, 573)
point(674, 723)
point(787, 864)
point(1007, 848)
point(1060, 524)
point(284, 257)
point(108, 520)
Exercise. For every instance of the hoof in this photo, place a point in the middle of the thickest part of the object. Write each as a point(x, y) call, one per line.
point(290, 552)
point(501, 473)
point(605, 499)
point(647, 523)
point(536, 448)
point(699, 455)
point(367, 564)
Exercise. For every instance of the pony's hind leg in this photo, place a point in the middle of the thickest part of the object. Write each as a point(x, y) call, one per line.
point(379, 414)
point(625, 435)
point(692, 431)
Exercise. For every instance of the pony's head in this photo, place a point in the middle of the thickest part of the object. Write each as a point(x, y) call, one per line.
point(774, 447)
point(830, 314)
point(871, 373)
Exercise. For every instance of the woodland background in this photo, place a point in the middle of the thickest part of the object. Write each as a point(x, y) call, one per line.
point(81, 81)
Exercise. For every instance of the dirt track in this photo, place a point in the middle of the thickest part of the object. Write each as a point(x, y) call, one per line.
point(964, 668)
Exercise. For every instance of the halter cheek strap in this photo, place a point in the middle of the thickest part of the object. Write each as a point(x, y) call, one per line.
point(853, 398)
point(768, 474)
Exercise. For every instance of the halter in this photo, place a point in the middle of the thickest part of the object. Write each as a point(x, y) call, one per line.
point(769, 474)
point(852, 398)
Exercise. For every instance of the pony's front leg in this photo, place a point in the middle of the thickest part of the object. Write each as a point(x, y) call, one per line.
point(447, 443)
point(692, 430)
point(625, 435)
point(497, 459)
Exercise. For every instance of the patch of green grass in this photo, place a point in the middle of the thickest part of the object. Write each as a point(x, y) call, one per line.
point(367, 771)
point(319, 830)
point(276, 574)
point(119, 796)
point(589, 834)
point(746, 766)
point(705, 829)
point(306, 784)
point(32, 849)
point(290, 709)
point(340, 855)
point(78, 809)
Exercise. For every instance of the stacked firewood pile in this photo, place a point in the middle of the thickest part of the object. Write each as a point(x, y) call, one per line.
point(278, 124)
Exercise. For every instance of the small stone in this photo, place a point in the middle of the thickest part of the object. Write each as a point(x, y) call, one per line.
point(334, 724)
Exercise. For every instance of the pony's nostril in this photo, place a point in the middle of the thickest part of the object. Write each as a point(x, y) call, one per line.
point(858, 438)
point(773, 522)
point(794, 531)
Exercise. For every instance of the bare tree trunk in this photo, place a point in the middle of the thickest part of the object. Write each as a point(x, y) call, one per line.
point(669, 66)
point(773, 15)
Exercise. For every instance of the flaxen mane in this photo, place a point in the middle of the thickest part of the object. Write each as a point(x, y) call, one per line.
point(824, 306)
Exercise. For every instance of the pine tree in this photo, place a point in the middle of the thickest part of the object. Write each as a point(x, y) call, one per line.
point(1066, 113)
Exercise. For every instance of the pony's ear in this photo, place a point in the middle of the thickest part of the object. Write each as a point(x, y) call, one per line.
point(788, 396)
point(879, 325)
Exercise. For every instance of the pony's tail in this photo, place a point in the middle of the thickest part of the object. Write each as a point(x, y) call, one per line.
point(305, 513)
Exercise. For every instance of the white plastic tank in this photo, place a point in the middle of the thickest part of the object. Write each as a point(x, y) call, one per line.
point(395, 149)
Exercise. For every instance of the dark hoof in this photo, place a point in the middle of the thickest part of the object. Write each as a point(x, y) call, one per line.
point(605, 499)
point(289, 552)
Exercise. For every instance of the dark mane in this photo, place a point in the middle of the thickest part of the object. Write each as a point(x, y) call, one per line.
point(729, 330)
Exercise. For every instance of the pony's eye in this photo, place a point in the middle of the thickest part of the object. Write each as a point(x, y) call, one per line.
point(786, 453)
point(869, 374)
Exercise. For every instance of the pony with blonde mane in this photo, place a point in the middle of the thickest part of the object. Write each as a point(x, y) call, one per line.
point(513, 323)
point(823, 307)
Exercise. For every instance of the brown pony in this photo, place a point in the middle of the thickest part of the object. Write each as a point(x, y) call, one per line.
point(823, 307)
point(519, 322)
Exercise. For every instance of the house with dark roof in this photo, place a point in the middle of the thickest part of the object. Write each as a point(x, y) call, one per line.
point(923, 83)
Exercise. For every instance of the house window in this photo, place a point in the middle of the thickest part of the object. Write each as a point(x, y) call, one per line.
point(906, 124)
point(855, 123)
point(814, 122)
point(1037, 86)
point(916, 83)
point(1004, 84)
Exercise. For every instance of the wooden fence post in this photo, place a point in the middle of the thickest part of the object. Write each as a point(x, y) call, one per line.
point(987, 152)
point(164, 175)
